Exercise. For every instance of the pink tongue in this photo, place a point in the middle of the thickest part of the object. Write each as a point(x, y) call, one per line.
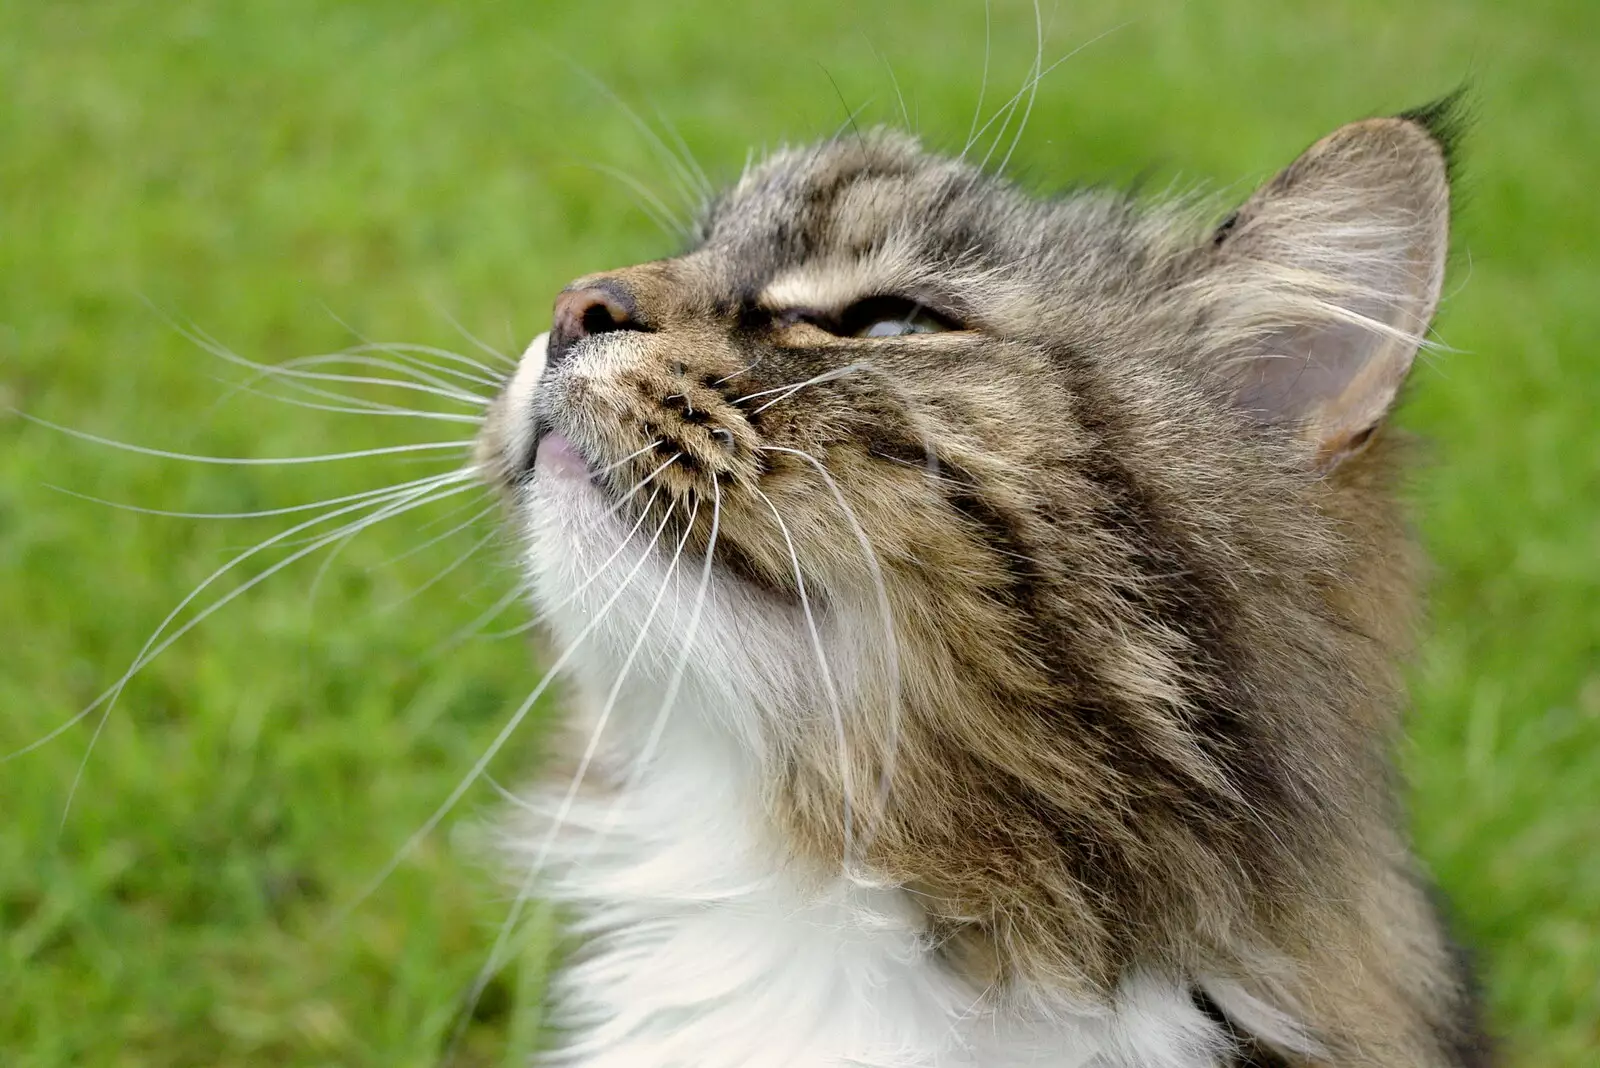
point(557, 456)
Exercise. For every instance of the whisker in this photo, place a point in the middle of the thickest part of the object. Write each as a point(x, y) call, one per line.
point(1037, 74)
point(444, 354)
point(622, 546)
point(357, 406)
point(701, 181)
point(436, 539)
point(692, 194)
point(300, 381)
point(438, 480)
point(983, 83)
point(891, 638)
point(243, 461)
point(564, 810)
point(363, 495)
point(606, 470)
point(410, 355)
point(736, 374)
point(489, 615)
point(108, 699)
point(674, 458)
point(498, 743)
point(454, 357)
point(1009, 108)
point(449, 568)
point(645, 198)
point(658, 728)
point(476, 341)
point(787, 390)
point(827, 684)
point(644, 514)
point(421, 382)
point(416, 381)
point(905, 114)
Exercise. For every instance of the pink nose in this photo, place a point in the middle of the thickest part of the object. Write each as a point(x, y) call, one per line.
point(595, 309)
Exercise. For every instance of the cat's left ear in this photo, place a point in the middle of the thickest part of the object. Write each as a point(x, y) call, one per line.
point(1321, 288)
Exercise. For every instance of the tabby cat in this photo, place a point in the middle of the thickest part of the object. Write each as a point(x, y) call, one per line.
point(982, 616)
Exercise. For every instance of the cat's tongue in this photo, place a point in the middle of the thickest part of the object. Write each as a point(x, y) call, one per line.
point(558, 456)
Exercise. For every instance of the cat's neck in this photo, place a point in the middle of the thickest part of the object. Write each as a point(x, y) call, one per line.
point(710, 943)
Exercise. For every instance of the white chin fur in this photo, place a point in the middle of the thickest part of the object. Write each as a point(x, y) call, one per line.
point(519, 396)
point(707, 944)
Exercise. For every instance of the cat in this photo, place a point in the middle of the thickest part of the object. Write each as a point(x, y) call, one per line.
point(982, 617)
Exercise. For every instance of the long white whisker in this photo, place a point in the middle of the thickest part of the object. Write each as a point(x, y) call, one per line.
point(627, 538)
point(642, 483)
point(416, 382)
point(891, 639)
point(436, 539)
point(422, 383)
point(410, 355)
point(589, 579)
point(289, 375)
point(684, 181)
point(496, 744)
point(905, 114)
point(564, 810)
point(1033, 90)
point(482, 345)
point(108, 694)
point(606, 470)
point(363, 495)
point(791, 388)
point(414, 498)
point(846, 779)
point(243, 461)
point(1009, 108)
point(646, 199)
point(356, 406)
point(685, 650)
point(449, 568)
point(454, 357)
point(489, 615)
point(700, 180)
point(983, 83)
point(736, 374)
point(343, 541)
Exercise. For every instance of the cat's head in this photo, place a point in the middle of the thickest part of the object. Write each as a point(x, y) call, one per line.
point(978, 470)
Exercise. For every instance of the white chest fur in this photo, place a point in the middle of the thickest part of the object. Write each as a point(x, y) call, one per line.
point(705, 946)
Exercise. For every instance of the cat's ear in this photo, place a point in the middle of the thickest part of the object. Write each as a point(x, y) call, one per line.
point(1321, 287)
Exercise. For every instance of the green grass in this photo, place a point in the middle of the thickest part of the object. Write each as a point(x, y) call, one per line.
point(274, 171)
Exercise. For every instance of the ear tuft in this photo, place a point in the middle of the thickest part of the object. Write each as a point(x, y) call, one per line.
point(1446, 120)
point(1320, 289)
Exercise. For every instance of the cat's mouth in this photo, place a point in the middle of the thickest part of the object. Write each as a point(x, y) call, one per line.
point(555, 456)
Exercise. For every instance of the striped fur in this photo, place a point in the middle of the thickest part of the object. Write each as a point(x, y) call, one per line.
point(1135, 531)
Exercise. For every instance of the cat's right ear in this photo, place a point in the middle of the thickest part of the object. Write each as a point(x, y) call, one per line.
point(1320, 289)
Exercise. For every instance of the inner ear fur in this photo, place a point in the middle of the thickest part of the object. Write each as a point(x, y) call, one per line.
point(1321, 287)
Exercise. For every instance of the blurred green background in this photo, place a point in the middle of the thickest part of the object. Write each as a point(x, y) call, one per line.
point(295, 176)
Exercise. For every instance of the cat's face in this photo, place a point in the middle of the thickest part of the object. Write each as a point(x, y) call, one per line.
point(964, 459)
point(851, 376)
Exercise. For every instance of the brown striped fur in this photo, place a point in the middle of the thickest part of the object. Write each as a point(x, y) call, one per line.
point(1149, 580)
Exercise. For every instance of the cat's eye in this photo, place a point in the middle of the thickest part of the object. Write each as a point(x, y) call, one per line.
point(889, 316)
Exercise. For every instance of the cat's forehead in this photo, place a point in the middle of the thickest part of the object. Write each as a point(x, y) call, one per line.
point(847, 194)
point(813, 226)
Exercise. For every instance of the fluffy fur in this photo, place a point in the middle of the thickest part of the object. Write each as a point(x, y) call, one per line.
point(1014, 694)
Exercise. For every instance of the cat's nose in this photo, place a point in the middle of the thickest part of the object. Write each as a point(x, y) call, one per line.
point(592, 309)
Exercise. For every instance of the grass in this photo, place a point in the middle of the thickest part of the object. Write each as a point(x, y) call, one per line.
point(276, 171)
